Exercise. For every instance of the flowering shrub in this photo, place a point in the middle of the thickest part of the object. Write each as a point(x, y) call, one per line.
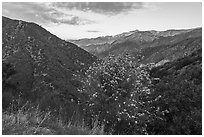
point(115, 88)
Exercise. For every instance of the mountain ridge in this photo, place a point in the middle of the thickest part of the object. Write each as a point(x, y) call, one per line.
point(111, 38)
point(138, 42)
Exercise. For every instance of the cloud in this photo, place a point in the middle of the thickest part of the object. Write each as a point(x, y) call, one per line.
point(71, 13)
point(110, 8)
point(41, 13)
point(93, 31)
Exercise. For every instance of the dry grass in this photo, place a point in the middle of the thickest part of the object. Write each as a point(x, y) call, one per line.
point(32, 121)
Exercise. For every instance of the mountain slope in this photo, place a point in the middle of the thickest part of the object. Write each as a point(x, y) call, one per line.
point(42, 63)
point(132, 35)
point(137, 42)
point(177, 96)
point(171, 52)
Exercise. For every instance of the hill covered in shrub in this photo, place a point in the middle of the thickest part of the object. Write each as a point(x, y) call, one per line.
point(38, 66)
point(71, 92)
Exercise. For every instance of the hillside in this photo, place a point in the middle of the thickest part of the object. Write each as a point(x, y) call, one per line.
point(38, 66)
point(132, 35)
point(178, 96)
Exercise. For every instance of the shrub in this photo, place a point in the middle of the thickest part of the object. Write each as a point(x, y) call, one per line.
point(115, 88)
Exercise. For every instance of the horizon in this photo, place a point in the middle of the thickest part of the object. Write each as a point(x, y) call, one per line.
point(141, 31)
point(79, 20)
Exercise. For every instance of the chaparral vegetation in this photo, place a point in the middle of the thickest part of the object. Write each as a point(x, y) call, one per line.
point(127, 98)
point(124, 97)
point(53, 87)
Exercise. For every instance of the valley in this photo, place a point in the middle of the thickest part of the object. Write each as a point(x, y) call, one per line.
point(134, 83)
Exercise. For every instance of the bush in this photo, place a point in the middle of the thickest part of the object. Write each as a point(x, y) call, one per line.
point(115, 88)
point(30, 120)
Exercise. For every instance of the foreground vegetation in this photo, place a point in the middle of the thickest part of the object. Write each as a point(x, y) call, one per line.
point(119, 96)
point(29, 120)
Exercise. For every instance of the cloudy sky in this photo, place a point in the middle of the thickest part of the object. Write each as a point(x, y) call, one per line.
point(92, 19)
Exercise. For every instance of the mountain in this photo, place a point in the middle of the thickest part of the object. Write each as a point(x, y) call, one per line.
point(37, 65)
point(190, 66)
point(132, 35)
point(171, 52)
point(98, 40)
point(138, 42)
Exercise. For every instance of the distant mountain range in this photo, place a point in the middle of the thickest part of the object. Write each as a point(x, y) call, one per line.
point(42, 64)
point(155, 45)
point(135, 35)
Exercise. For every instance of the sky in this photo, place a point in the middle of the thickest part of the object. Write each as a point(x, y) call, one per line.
point(76, 20)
